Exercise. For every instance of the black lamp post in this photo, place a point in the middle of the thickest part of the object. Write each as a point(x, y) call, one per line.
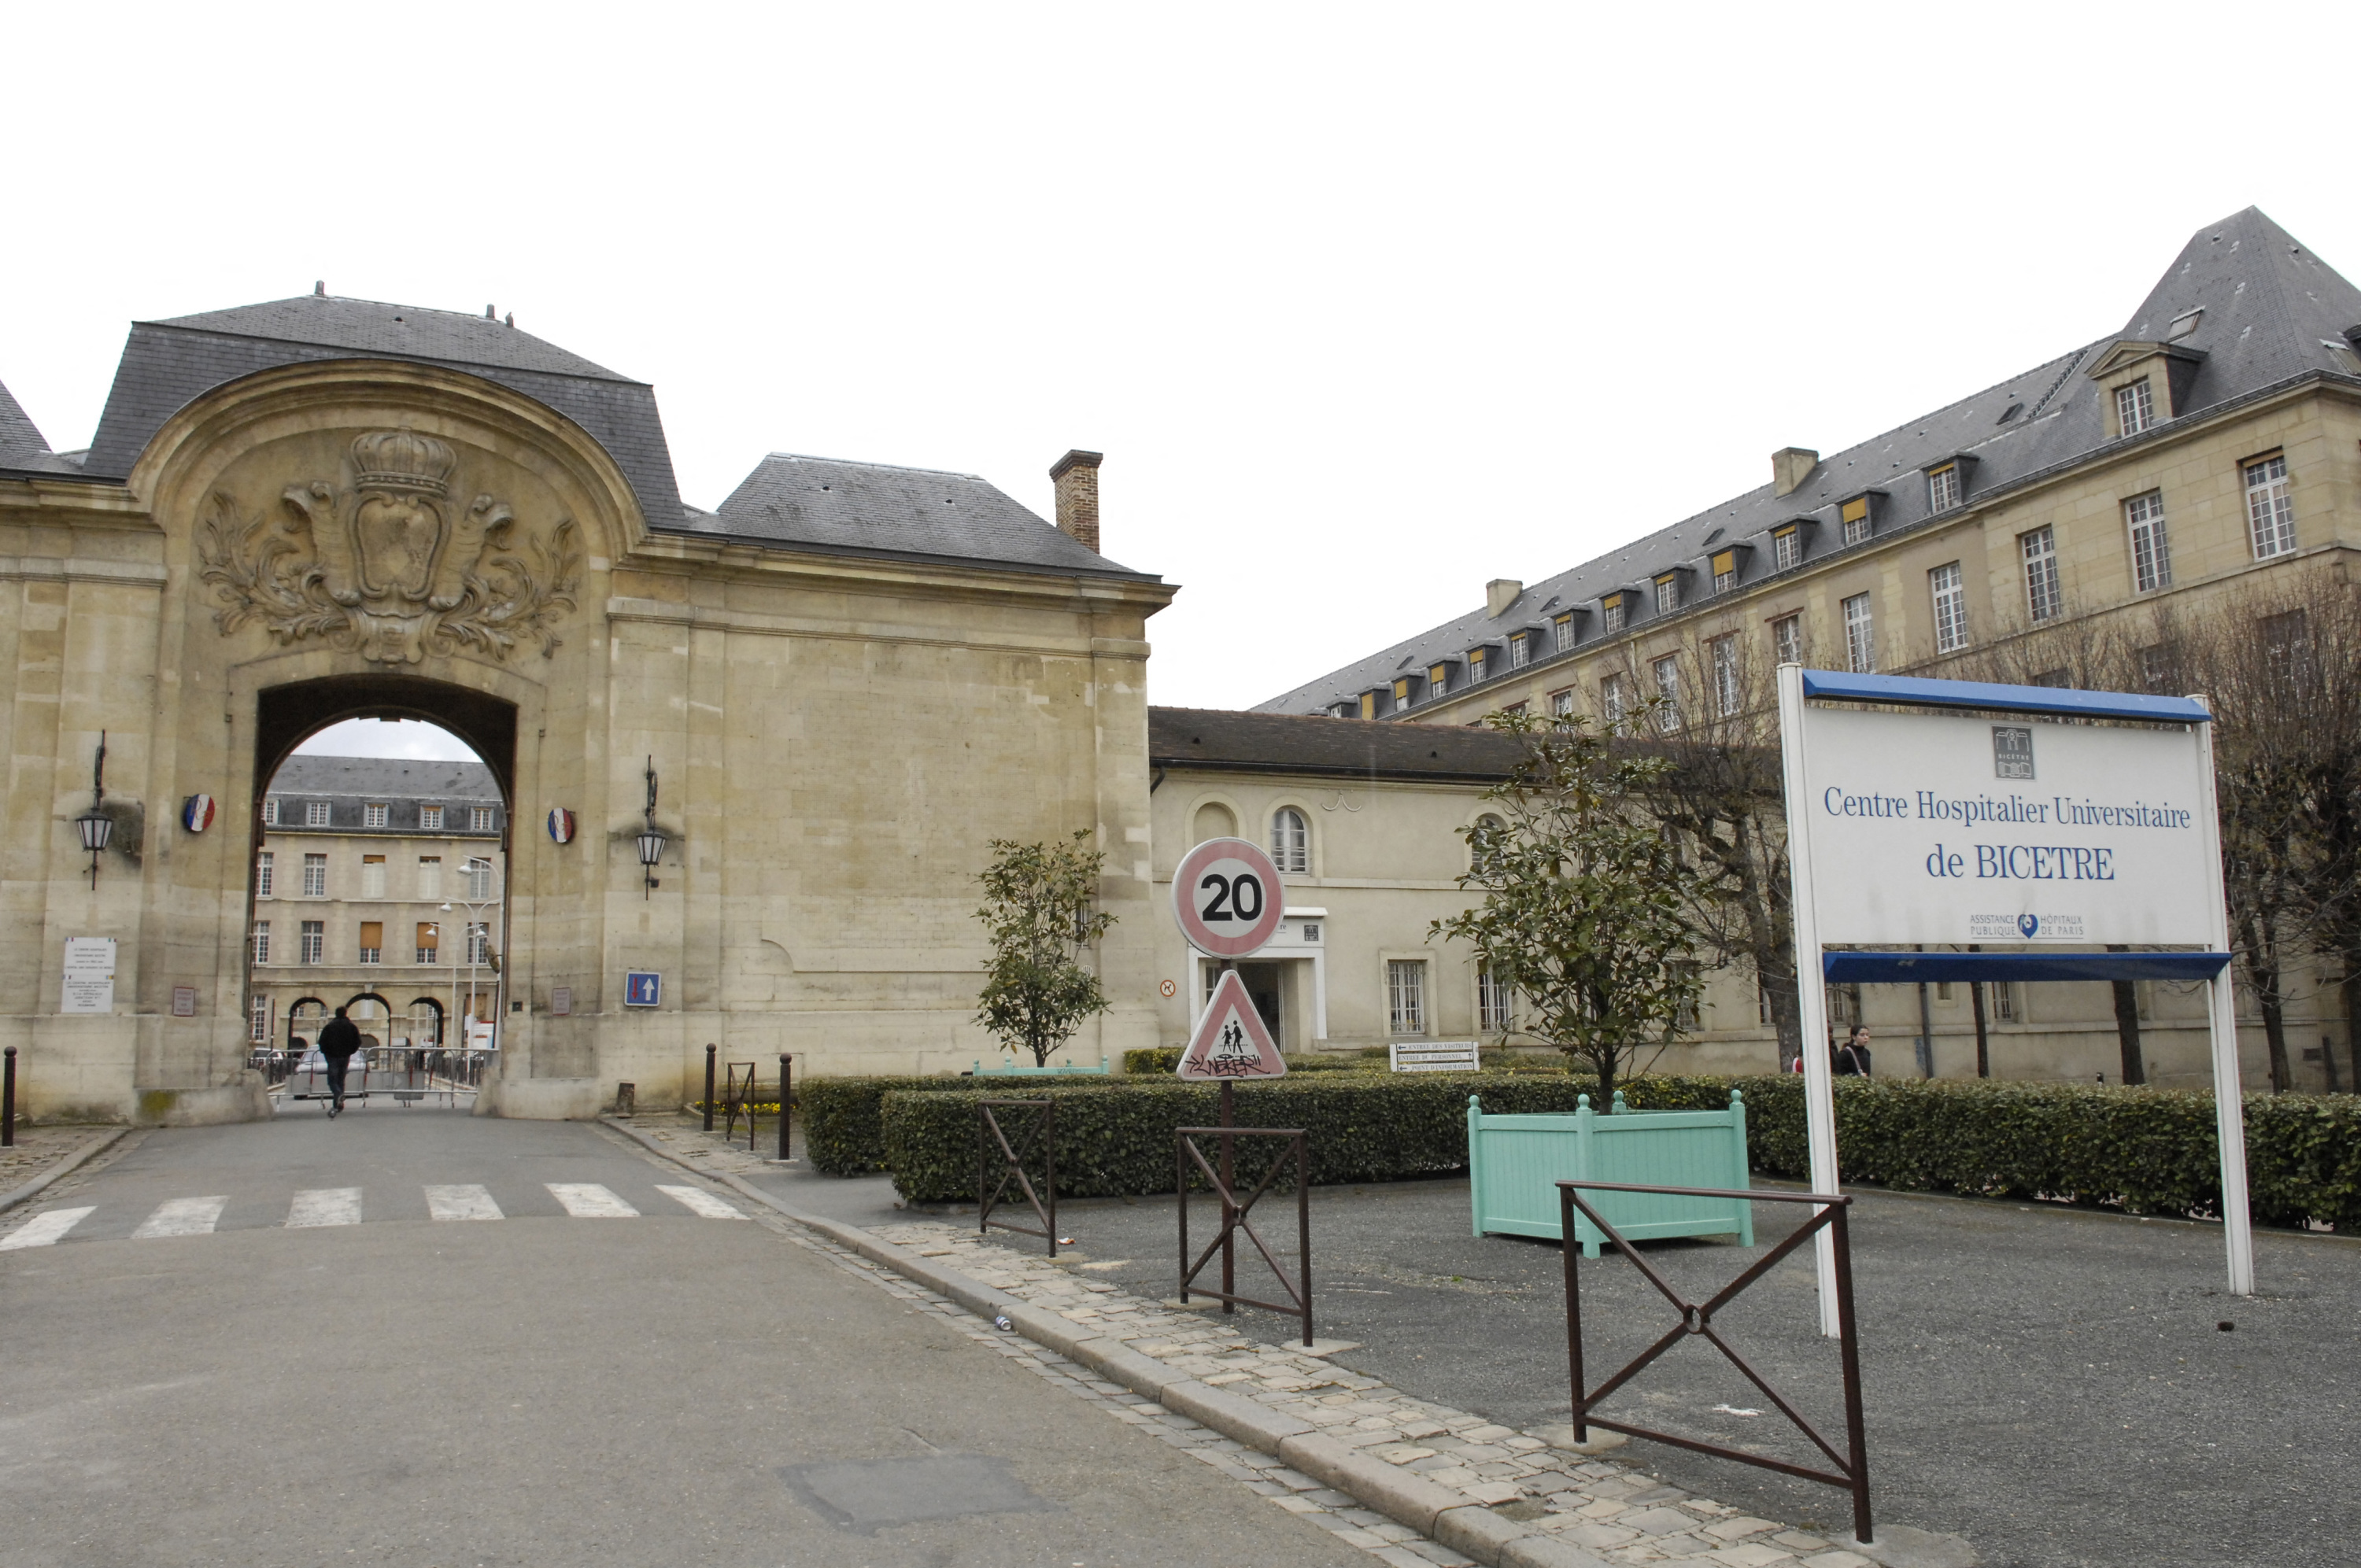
point(95, 825)
point(650, 840)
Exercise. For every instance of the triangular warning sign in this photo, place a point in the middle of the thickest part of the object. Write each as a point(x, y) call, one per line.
point(1232, 1041)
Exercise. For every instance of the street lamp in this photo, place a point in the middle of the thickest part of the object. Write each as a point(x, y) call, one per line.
point(95, 825)
point(474, 911)
point(651, 839)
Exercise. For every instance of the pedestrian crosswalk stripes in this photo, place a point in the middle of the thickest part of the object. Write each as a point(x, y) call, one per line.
point(46, 1230)
point(326, 1206)
point(181, 1217)
point(468, 1202)
point(698, 1201)
point(588, 1201)
point(317, 1207)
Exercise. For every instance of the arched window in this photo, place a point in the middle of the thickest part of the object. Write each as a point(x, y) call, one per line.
point(1215, 820)
point(1291, 840)
point(1489, 830)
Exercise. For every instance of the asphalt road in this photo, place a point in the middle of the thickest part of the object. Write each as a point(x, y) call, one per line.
point(2049, 1384)
point(664, 1388)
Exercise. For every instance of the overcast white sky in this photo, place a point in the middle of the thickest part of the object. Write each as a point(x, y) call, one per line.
point(1366, 304)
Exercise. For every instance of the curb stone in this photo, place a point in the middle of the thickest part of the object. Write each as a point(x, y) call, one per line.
point(64, 1167)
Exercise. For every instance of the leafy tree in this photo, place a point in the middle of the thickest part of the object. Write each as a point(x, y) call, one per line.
point(1584, 894)
point(1039, 911)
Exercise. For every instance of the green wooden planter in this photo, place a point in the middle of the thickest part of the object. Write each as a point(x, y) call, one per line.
point(1514, 1164)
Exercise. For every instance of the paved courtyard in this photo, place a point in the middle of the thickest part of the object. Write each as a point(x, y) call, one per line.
point(2049, 1384)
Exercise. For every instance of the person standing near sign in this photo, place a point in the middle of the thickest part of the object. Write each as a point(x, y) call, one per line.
point(339, 1040)
point(1852, 1059)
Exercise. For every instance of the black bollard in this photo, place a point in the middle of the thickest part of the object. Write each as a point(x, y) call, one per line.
point(708, 1085)
point(8, 1102)
point(786, 1077)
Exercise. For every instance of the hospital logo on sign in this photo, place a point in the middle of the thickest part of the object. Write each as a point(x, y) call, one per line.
point(2012, 750)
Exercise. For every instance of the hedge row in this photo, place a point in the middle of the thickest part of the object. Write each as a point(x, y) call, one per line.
point(2150, 1151)
point(843, 1124)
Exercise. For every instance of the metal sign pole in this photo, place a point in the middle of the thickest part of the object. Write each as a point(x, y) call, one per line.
point(1811, 992)
point(2222, 1018)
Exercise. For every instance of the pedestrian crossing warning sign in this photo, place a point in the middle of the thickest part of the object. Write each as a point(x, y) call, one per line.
point(1232, 1041)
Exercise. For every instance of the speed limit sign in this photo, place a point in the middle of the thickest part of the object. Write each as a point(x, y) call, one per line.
point(1228, 898)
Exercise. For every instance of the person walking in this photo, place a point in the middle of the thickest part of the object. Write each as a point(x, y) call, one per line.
point(339, 1040)
point(1851, 1059)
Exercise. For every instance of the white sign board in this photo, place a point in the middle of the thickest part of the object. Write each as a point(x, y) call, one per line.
point(1933, 829)
point(1232, 1041)
point(89, 975)
point(1228, 898)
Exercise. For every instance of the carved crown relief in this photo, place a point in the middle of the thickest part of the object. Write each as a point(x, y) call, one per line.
point(390, 565)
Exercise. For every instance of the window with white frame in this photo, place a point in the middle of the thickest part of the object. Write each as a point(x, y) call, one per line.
point(262, 941)
point(1667, 674)
point(1612, 700)
point(1610, 613)
point(372, 943)
point(270, 811)
point(1787, 639)
point(1291, 840)
point(2040, 549)
point(1562, 627)
point(430, 820)
point(1860, 636)
point(1496, 1003)
point(1950, 590)
point(430, 877)
point(315, 876)
point(479, 879)
point(1438, 681)
point(1787, 549)
point(265, 873)
point(1561, 703)
point(2134, 407)
point(428, 940)
point(480, 819)
point(1521, 650)
point(374, 815)
point(479, 942)
point(257, 1028)
point(1406, 996)
point(2151, 551)
point(1856, 519)
point(1943, 488)
point(1668, 593)
point(314, 938)
point(315, 814)
point(2270, 513)
point(1725, 572)
point(1729, 681)
point(372, 876)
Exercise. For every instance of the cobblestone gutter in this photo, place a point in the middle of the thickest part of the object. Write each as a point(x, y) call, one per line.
point(1415, 1482)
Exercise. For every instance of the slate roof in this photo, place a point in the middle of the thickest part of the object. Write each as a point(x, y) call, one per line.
point(2272, 312)
point(1220, 739)
point(21, 447)
point(167, 364)
point(874, 509)
point(384, 778)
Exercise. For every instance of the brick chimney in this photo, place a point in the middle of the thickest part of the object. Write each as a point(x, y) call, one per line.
point(1790, 466)
point(1077, 477)
point(1499, 594)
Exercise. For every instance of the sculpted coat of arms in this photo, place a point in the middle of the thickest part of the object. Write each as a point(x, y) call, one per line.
point(390, 565)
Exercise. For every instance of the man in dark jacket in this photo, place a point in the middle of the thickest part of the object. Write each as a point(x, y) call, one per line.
point(339, 1040)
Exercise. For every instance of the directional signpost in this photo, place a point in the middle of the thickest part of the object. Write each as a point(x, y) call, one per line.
point(1228, 899)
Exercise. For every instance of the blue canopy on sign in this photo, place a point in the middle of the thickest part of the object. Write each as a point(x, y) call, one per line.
point(1888, 969)
point(1836, 685)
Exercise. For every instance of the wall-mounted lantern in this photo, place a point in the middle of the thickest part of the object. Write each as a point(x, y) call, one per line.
point(95, 825)
point(650, 840)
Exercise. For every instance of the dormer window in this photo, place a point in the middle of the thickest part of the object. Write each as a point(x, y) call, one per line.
point(1561, 632)
point(1369, 705)
point(1521, 650)
point(1668, 593)
point(1943, 488)
point(1725, 572)
point(1438, 680)
point(2134, 407)
point(1612, 612)
point(1476, 665)
point(1786, 547)
point(1401, 692)
point(1855, 515)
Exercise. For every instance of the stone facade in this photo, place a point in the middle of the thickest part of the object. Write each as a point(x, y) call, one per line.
point(836, 728)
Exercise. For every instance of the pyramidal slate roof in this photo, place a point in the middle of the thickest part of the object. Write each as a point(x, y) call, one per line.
point(21, 447)
point(385, 778)
point(875, 509)
point(167, 364)
point(2270, 311)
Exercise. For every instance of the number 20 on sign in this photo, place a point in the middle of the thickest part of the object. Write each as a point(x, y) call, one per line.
point(1227, 897)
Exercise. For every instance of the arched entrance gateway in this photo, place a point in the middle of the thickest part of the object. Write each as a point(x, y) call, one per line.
point(844, 682)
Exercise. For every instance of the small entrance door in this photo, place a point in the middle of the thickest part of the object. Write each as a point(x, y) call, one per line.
point(1261, 981)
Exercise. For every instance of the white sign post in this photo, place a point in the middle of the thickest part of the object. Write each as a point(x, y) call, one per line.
point(1943, 828)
